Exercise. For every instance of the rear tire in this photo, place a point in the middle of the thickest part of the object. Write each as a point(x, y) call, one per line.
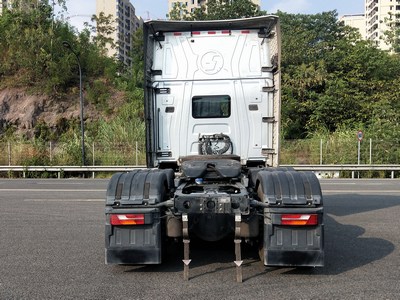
point(261, 253)
point(260, 245)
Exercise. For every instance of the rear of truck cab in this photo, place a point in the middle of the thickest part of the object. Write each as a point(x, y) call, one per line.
point(212, 113)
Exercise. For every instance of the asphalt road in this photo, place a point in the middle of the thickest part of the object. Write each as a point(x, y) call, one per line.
point(52, 247)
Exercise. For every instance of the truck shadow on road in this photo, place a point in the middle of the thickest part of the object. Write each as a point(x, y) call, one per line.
point(345, 246)
point(220, 253)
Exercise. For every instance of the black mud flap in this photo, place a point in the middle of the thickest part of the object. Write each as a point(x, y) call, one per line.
point(133, 244)
point(133, 229)
point(293, 220)
point(293, 246)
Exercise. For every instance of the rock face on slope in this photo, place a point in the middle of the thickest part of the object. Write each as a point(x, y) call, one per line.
point(22, 111)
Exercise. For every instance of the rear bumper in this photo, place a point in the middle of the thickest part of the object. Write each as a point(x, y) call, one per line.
point(294, 258)
point(129, 255)
point(294, 246)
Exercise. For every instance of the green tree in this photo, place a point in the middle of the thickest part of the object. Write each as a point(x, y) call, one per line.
point(330, 75)
point(28, 44)
point(103, 31)
point(216, 10)
point(231, 9)
point(179, 12)
point(27, 4)
point(138, 59)
point(392, 35)
point(33, 55)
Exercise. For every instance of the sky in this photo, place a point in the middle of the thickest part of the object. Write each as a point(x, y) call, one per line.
point(80, 11)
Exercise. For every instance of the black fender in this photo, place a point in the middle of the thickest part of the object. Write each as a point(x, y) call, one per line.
point(149, 186)
point(278, 187)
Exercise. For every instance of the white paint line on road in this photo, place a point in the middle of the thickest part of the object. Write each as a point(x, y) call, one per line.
point(351, 183)
point(337, 183)
point(373, 192)
point(50, 190)
point(64, 200)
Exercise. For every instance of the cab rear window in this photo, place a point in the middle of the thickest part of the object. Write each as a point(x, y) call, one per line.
point(211, 106)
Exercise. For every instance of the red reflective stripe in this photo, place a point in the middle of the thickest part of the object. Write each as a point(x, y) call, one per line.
point(212, 32)
point(245, 31)
point(226, 31)
point(177, 33)
point(299, 219)
point(196, 32)
point(127, 219)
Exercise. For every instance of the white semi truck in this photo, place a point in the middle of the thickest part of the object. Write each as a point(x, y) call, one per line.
point(212, 112)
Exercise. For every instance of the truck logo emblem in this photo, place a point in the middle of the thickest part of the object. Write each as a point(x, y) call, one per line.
point(211, 62)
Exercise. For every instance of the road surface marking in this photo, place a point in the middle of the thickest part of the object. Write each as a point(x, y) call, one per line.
point(64, 200)
point(50, 190)
point(374, 192)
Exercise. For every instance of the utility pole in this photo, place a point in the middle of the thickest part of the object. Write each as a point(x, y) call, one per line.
point(67, 45)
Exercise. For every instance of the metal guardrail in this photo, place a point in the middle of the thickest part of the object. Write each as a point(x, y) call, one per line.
point(353, 167)
point(321, 169)
point(326, 169)
point(70, 169)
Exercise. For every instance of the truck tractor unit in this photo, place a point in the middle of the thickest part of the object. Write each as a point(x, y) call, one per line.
point(212, 113)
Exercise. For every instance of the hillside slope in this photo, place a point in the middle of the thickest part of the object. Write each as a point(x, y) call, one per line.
point(22, 112)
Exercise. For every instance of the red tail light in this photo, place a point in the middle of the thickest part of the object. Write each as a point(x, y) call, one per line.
point(127, 219)
point(299, 219)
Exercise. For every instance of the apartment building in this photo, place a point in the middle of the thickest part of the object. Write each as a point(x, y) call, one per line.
point(357, 21)
point(192, 4)
point(379, 16)
point(126, 24)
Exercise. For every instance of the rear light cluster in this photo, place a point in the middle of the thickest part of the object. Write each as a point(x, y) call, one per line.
point(299, 219)
point(127, 219)
point(286, 219)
